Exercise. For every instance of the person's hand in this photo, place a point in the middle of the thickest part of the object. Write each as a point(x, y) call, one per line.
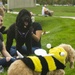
point(8, 58)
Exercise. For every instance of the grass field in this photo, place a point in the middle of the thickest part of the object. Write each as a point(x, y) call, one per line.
point(62, 30)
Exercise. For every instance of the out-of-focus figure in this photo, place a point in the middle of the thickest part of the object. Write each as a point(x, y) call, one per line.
point(46, 11)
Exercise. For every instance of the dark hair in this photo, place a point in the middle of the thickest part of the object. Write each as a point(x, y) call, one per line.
point(23, 16)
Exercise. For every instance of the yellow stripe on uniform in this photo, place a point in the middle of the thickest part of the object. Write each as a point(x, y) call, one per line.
point(51, 63)
point(37, 63)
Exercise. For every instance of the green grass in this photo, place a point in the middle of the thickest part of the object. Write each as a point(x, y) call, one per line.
point(63, 10)
point(58, 10)
point(62, 30)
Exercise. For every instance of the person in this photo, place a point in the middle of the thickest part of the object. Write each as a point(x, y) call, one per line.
point(6, 59)
point(46, 11)
point(35, 33)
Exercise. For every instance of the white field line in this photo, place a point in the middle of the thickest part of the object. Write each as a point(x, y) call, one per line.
point(65, 17)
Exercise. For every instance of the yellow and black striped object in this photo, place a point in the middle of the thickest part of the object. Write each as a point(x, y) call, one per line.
point(57, 54)
point(45, 63)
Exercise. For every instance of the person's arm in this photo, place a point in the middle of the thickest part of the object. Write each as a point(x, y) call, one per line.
point(37, 35)
point(4, 51)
